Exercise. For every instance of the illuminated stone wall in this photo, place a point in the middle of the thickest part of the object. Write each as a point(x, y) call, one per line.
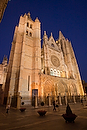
point(58, 60)
point(3, 5)
point(51, 85)
point(3, 74)
point(33, 71)
point(25, 59)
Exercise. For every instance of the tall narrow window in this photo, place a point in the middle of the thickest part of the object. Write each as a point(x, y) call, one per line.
point(52, 45)
point(55, 72)
point(51, 71)
point(26, 32)
point(27, 24)
point(58, 73)
point(31, 26)
point(28, 82)
point(30, 34)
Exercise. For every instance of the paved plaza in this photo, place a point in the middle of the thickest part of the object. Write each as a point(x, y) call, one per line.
point(53, 120)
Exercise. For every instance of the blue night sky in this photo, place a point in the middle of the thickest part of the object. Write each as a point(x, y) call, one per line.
point(67, 16)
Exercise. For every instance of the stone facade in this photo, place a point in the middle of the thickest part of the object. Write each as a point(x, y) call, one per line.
point(58, 60)
point(3, 5)
point(3, 74)
point(33, 71)
point(84, 86)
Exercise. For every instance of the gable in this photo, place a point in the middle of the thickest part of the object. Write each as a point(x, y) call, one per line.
point(52, 44)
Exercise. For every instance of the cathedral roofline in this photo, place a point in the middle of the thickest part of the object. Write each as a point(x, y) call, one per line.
point(61, 35)
point(37, 20)
point(29, 17)
point(45, 35)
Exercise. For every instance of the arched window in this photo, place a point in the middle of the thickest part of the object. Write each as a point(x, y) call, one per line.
point(58, 73)
point(52, 45)
point(26, 32)
point(55, 72)
point(30, 34)
point(51, 71)
point(27, 24)
point(31, 26)
point(5, 69)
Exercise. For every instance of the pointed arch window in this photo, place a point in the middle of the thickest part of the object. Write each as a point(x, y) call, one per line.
point(31, 26)
point(27, 32)
point(55, 72)
point(58, 73)
point(30, 34)
point(52, 45)
point(27, 24)
point(51, 71)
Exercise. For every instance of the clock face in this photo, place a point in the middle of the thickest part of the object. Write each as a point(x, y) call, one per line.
point(55, 61)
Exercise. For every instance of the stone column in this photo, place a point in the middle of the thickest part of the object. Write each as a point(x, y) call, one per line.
point(65, 99)
point(18, 100)
point(60, 99)
point(36, 105)
point(10, 99)
point(80, 97)
point(49, 101)
point(74, 98)
point(86, 99)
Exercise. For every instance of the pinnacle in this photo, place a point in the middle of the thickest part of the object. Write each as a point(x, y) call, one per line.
point(60, 35)
point(51, 33)
point(29, 17)
point(37, 20)
point(44, 32)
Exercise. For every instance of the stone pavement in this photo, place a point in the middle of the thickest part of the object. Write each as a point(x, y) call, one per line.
point(30, 120)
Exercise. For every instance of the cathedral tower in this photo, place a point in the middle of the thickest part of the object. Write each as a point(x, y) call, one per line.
point(25, 59)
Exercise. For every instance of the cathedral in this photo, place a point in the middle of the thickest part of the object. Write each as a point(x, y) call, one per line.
point(32, 71)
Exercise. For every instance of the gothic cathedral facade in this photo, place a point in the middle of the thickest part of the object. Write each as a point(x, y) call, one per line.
point(32, 70)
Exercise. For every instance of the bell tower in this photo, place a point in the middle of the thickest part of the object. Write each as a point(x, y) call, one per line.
point(25, 59)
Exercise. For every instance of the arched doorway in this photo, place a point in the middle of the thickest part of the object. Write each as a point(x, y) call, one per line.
point(48, 90)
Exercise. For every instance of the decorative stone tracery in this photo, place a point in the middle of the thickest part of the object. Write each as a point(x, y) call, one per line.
point(73, 90)
point(48, 88)
point(55, 61)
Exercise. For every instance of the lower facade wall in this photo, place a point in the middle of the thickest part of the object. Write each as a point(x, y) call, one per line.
point(56, 88)
point(51, 85)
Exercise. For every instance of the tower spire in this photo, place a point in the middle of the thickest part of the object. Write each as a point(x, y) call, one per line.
point(51, 33)
point(29, 17)
point(60, 35)
point(45, 36)
point(44, 32)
